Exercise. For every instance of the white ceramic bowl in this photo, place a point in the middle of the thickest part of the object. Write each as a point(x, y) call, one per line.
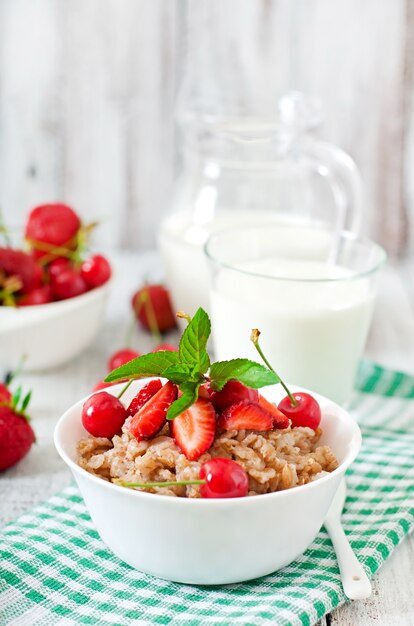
point(48, 335)
point(210, 542)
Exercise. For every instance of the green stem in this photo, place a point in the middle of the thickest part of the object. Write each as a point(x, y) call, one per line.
point(130, 332)
point(145, 300)
point(125, 388)
point(255, 340)
point(168, 483)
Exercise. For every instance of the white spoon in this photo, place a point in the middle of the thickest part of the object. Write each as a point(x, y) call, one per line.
point(354, 579)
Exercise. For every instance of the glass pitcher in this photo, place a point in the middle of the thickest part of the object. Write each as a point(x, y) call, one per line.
point(248, 171)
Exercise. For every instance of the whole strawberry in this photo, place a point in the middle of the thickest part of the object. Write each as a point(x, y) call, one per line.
point(21, 266)
point(52, 226)
point(152, 307)
point(16, 437)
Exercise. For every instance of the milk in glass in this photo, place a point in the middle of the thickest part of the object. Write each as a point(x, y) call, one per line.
point(313, 322)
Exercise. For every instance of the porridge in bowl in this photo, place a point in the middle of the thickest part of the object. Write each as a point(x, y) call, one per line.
point(196, 435)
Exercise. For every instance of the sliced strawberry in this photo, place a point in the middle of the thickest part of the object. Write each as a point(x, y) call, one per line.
point(245, 415)
point(143, 395)
point(194, 430)
point(233, 392)
point(204, 392)
point(279, 420)
point(151, 417)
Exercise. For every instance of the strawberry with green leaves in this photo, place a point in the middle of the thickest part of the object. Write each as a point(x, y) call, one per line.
point(16, 434)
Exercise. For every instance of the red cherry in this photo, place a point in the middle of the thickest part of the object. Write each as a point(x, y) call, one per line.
point(224, 479)
point(39, 275)
point(57, 266)
point(165, 346)
point(306, 412)
point(103, 415)
point(5, 395)
point(38, 295)
point(154, 299)
point(68, 284)
point(95, 271)
point(121, 357)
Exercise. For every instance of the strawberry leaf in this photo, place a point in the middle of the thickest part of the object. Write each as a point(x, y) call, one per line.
point(16, 396)
point(193, 342)
point(248, 372)
point(188, 397)
point(152, 364)
point(26, 401)
point(182, 373)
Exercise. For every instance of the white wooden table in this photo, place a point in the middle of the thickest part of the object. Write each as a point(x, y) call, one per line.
point(42, 473)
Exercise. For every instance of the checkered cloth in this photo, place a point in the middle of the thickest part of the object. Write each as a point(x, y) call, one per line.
point(54, 569)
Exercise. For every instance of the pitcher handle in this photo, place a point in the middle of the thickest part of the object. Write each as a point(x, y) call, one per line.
point(346, 182)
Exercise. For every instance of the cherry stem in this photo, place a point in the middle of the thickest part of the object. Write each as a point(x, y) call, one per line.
point(125, 388)
point(183, 316)
point(168, 483)
point(130, 332)
point(145, 301)
point(254, 337)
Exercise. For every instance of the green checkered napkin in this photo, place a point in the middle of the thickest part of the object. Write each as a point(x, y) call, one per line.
point(54, 569)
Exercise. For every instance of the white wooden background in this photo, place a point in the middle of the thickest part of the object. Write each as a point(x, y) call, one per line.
point(87, 92)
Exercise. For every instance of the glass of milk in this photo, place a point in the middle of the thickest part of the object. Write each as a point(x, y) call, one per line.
point(309, 291)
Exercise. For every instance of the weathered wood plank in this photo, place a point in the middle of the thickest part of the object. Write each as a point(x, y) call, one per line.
point(30, 122)
point(87, 90)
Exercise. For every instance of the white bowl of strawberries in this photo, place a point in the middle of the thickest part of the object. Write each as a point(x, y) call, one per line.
point(253, 474)
point(52, 300)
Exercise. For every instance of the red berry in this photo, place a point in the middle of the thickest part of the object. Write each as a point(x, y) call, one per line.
point(58, 265)
point(16, 437)
point(151, 417)
point(233, 392)
point(194, 430)
point(224, 479)
point(5, 395)
point(95, 271)
point(52, 224)
point(154, 299)
point(103, 415)
point(68, 284)
point(143, 395)
point(38, 295)
point(168, 347)
point(39, 275)
point(245, 415)
point(121, 357)
point(279, 419)
point(306, 412)
point(19, 264)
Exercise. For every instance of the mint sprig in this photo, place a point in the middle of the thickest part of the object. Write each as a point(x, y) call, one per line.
point(190, 367)
point(193, 344)
point(152, 364)
point(248, 372)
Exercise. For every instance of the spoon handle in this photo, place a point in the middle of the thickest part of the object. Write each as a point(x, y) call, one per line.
point(354, 579)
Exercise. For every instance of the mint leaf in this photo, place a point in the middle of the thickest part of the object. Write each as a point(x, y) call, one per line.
point(248, 372)
point(189, 396)
point(152, 364)
point(181, 373)
point(193, 342)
